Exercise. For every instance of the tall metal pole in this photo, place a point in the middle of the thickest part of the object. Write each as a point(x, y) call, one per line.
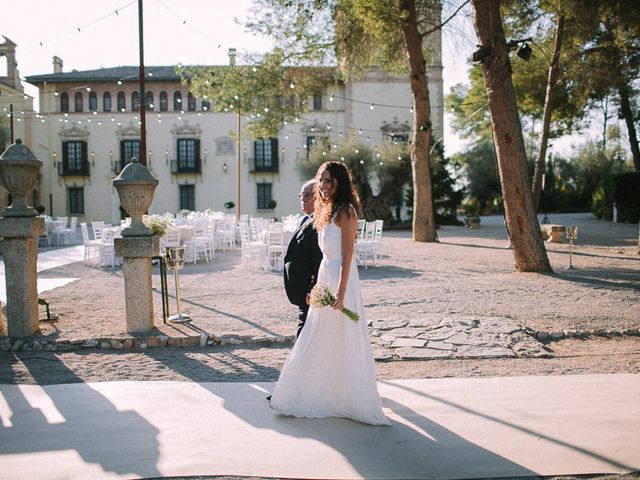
point(11, 117)
point(143, 100)
point(238, 167)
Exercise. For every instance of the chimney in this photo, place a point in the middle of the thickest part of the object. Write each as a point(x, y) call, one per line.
point(232, 56)
point(57, 64)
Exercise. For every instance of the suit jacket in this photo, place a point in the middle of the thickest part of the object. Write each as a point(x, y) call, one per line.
point(301, 263)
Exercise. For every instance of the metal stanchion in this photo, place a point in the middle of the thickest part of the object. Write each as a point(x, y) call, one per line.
point(164, 291)
point(175, 262)
point(572, 234)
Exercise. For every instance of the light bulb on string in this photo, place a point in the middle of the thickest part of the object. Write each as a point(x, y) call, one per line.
point(332, 97)
point(119, 82)
point(292, 85)
point(371, 107)
point(411, 108)
point(359, 131)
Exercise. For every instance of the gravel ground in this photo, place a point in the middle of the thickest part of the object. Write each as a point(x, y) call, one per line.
point(469, 273)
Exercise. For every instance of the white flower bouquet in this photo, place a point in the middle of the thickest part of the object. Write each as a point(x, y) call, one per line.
point(321, 296)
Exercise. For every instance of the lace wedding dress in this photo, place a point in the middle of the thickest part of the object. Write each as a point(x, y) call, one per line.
point(330, 371)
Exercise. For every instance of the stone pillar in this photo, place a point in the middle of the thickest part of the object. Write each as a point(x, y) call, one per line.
point(20, 253)
point(136, 253)
point(20, 227)
point(135, 186)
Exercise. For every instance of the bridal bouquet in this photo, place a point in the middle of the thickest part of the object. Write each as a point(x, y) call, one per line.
point(321, 296)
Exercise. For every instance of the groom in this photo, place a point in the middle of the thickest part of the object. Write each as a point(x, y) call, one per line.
point(302, 260)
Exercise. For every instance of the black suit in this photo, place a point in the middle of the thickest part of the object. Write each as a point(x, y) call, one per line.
point(301, 263)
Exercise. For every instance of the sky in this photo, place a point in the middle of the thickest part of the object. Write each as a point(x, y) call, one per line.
point(90, 34)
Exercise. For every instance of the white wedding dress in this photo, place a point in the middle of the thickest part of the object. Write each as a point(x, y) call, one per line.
point(330, 371)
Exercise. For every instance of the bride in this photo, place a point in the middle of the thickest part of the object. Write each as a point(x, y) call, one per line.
point(330, 371)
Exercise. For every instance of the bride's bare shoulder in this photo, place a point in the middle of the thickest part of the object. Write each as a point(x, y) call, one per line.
point(345, 215)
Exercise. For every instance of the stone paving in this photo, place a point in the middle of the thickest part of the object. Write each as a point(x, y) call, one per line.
point(487, 337)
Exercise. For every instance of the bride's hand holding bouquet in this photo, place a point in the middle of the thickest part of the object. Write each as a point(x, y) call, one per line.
point(321, 296)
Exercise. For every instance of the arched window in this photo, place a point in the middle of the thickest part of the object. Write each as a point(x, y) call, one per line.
point(148, 101)
point(106, 101)
point(177, 101)
point(121, 102)
point(93, 101)
point(163, 101)
point(64, 102)
point(79, 102)
point(191, 103)
point(135, 101)
point(206, 105)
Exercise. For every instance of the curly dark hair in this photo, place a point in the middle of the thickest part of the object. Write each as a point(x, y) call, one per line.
point(346, 194)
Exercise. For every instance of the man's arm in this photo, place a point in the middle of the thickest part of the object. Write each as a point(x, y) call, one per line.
point(316, 258)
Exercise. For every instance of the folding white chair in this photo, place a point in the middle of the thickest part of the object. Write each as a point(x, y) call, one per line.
point(97, 227)
point(91, 247)
point(275, 249)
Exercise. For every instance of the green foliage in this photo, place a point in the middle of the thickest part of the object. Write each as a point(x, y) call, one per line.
point(388, 172)
point(582, 181)
point(623, 190)
point(266, 92)
point(480, 167)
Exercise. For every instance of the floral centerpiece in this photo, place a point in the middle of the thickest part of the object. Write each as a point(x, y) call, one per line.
point(158, 225)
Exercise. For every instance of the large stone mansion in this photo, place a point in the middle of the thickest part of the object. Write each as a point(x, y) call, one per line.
point(88, 126)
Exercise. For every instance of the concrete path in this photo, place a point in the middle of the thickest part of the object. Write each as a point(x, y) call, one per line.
point(48, 260)
point(442, 429)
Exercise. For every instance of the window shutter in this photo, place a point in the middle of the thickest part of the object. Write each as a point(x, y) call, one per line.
point(85, 157)
point(65, 154)
point(274, 151)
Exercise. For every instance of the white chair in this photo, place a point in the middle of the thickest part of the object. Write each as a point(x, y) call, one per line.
point(70, 233)
point(365, 246)
point(199, 243)
point(107, 248)
point(60, 231)
point(377, 240)
point(170, 239)
point(97, 229)
point(91, 247)
point(253, 252)
point(275, 249)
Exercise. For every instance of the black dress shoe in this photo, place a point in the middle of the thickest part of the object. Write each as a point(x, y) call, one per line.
point(268, 398)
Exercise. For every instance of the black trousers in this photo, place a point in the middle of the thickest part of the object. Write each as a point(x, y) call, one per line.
point(302, 317)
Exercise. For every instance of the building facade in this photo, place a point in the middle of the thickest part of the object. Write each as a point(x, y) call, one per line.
point(88, 128)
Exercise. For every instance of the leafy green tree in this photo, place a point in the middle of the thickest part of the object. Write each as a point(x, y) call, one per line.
point(388, 170)
point(354, 34)
point(608, 60)
point(479, 164)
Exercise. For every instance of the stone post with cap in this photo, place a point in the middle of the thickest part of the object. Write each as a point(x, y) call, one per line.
point(135, 186)
point(20, 227)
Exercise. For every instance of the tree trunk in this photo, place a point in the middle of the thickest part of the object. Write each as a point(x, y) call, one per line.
point(528, 248)
point(548, 110)
point(424, 228)
point(625, 108)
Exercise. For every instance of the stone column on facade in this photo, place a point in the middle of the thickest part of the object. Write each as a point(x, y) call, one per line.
point(135, 186)
point(20, 227)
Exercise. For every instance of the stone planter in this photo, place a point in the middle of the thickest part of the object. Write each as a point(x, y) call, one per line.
point(135, 186)
point(19, 169)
